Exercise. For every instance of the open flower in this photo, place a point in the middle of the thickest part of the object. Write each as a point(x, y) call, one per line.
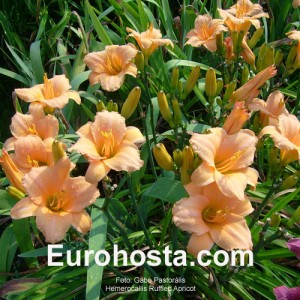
point(108, 144)
point(110, 66)
point(205, 31)
point(54, 93)
point(149, 40)
point(271, 109)
point(286, 136)
point(212, 217)
point(57, 200)
point(295, 35)
point(226, 160)
point(285, 293)
point(35, 123)
point(250, 90)
point(246, 10)
point(237, 118)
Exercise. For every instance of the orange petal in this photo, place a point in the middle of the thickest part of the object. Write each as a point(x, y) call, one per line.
point(96, 171)
point(87, 148)
point(53, 225)
point(31, 94)
point(234, 234)
point(81, 221)
point(80, 194)
point(198, 243)
point(58, 102)
point(20, 124)
point(74, 95)
point(60, 85)
point(133, 135)
point(9, 144)
point(23, 209)
point(244, 208)
point(203, 175)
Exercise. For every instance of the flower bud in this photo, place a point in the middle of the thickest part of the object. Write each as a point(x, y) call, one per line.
point(139, 61)
point(265, 57)
point(278, 58)
point(13, 174)
point(174, 78)
point(289, 182)
point(219, 86)
point(115, 107)
point(58, 150)
point(275, 220)
point(176, 113)
point(131, 102)
point(164, 107)
point(295, 218)
point(291, 62)
point(273, 157)
point(177, 156)
point(255, 37)
point(110, 105)
point(229, 90)
point(197, 162)
point(14, 192)
point(211, 83)
point(245, 75)
point(191, 81)
point(187, 164)
point(163, 158)
point(220, 43)
point(247, 53)
point(100, 106)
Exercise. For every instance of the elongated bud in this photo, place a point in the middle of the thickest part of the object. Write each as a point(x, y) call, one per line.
point(273, 157)
point(261, 56)
point(197, 162)
point(164, 106)
point(211, 83)
point(100, 106)
point(290, 182)
point(115, 107)
point(131, 102)
point(139, 61)
point(220, 43)
point(58, 150)
point(163, 158)
point(240, 40)
point(256, 123)
point(187, 164)
point(176, 112)
point(245, 75)
point(180, 88)
point(174, 78)
point(247, 53)
point(14, 192)
point(234, 38)
point(191, 81)
point(219, 86)
point(266, 57)
point(295, 218)
point(229, 90)
point(275, 220)
point(278, 58)
point(13, 174)
point(177, 156)
point(291, 62)
point(110, 105)
point(255, 37)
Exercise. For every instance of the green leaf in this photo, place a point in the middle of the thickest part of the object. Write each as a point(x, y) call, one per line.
point(97, 241)
point(166, 189)
point(274, 253)
point(15, 76)
point(6, 200)
point(186, 63)
point(36, 61)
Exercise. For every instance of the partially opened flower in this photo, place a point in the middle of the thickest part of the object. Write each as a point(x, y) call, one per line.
point(294, 246)
point(35, 123)
point(110, 66)
point(285, 293)
point(286, 136)
point(226, 160)
point(245, 9)
point(250, 90)
point(205, 31)
point(57, 200)
point(212, 217)
point(108, 144)
point(237, 118)
point(149, 40)
point(54, 93)
point(271, 109)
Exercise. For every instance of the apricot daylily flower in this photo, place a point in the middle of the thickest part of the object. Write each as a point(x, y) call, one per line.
point(286, 137)
point(245, 9)
point(271, 109)
point(108, 144)
point(57, 200)
point(149, 40)
point(54, 93)
point(204, 33)
point(235, 24)
point(237, 118)
point(13, 174)
point(35, 123)
point(226, 160)
point(250, 90)
point(110, 66)
point(212, 217)
point(295, 35)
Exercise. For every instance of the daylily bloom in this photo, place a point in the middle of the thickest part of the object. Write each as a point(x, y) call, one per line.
point(226, 160)
point(285, 293)
point(205, 31)
point(149, 40)
point(245, 9)
point(294, 246)
point(286, 137)
point(57, 200)
point(31, 151)
point(237, 118)
point(250, 90)
point(235, 24)
point(54, 93)
point(212, 217)
point(271, 109)
point(295, 35)
point(110, 66)
point(13, 174)
point(108, 144)
point(35, 123)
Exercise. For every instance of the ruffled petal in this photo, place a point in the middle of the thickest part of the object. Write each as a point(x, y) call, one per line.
point(81, 221)
point(23, 209)
point(203, 175)
point(198, 243)
point(96, 171)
